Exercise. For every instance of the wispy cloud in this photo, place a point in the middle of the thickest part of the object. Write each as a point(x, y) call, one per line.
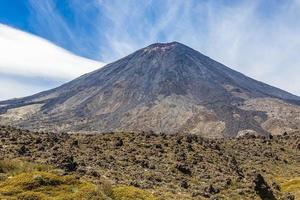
point(23, 55)
point(258, 38)
point(50, 20)
point(12, 88)
point(71, 25)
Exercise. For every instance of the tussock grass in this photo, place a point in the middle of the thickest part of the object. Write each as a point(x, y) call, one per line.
point(292, 186)
point(46, 185)
point(27, 181)
point(129, 193)
point(15, 166)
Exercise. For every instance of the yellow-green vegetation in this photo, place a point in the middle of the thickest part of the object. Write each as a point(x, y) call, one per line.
point(15, 166)
point(46, 185)
point(292, 186)
point(129, 193)
point(25, 181)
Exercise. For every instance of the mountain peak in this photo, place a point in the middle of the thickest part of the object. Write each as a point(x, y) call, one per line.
point(166, 44)
point(162, 47)
point(165, 87)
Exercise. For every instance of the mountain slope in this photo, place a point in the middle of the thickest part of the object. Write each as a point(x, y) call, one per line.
point(164, 88)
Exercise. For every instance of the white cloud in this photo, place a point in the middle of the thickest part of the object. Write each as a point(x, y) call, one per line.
point(25, 55)
point(261, 41)
point(28, 55)
point(13, 88)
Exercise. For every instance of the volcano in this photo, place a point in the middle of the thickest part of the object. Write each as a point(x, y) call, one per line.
point(165, 88)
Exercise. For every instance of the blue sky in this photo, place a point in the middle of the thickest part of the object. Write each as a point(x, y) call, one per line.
point(84, 27)
point(258, 38)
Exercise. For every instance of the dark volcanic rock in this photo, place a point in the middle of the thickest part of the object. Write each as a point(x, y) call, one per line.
point(263, 189)
point(184, 168)
point(69, 164)
point(140, 161)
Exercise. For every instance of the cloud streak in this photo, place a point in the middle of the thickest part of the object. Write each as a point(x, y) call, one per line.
point(12, 88)
point(70, 24)
point(24, 56)
point(258, 38)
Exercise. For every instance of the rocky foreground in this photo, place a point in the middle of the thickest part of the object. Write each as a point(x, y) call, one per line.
point(169, 166)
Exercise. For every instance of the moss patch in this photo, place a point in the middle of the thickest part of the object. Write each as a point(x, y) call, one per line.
point(23, 183)
point(45, 185)
point(129, 193)
point(292, 186)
